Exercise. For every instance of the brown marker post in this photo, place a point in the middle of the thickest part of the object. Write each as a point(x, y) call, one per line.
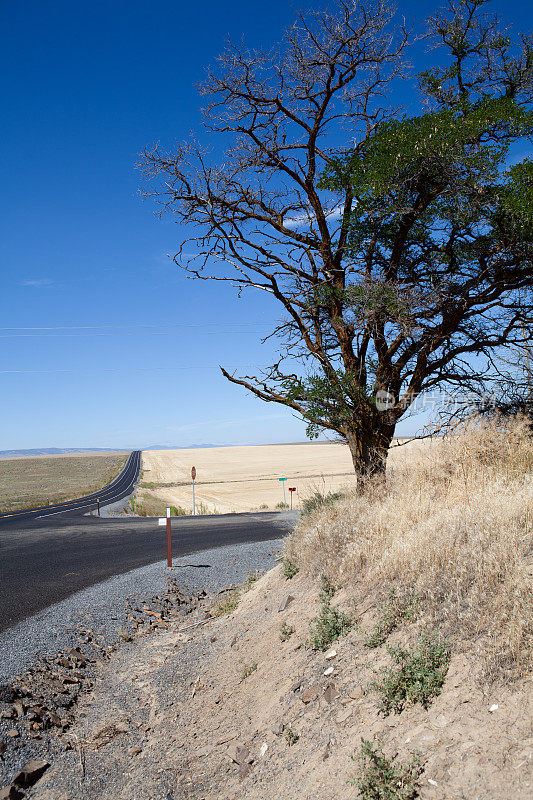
point(169, 540)
point(291, 490)
point(193, 476)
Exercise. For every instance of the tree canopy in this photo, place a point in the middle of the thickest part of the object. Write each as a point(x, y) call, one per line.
point(398, 246)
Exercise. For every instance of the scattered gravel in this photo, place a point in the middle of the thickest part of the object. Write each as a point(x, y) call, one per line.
point(102, 607)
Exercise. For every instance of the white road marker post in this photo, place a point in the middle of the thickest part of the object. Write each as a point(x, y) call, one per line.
point(169, 540)
point(282, 480)
point(193, 476)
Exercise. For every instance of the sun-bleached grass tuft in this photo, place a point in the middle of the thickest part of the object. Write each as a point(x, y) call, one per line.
point(454, 526)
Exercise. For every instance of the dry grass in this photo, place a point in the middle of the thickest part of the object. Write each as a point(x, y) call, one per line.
point(454, 527)
point(42, 480)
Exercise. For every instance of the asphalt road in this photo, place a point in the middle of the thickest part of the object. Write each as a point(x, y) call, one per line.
point(120, 487)
point(45, 560)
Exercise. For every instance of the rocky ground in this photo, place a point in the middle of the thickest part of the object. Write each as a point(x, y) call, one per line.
point(227, 710)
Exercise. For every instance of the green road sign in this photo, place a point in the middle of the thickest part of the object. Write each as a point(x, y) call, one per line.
point(282, 479)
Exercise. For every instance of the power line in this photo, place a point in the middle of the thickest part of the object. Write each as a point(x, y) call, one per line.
point(93, 370)
point(45, 330)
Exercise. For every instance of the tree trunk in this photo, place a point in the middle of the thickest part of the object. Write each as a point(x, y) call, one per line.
point(369, 447)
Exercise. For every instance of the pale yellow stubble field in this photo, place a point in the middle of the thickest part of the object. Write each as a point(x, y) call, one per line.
point(246, 478)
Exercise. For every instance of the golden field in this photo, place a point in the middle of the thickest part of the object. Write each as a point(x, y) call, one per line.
point(245, 478)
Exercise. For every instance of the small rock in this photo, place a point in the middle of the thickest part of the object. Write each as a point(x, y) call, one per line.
point(13, 733)
point(238, 753)
point(494, 707)
point(30, 773)
point(343, 716)
point(278, 729)
point(288, 600)
point(263, 749)
point(214, 639)
point(329, 671)
point(432, 782)
point(7, 693)
point(244, 770)
point(10, 793)
point(330, 693)
point(296, 685)
point(311, 694)
point(330, 654)
point(134, 751)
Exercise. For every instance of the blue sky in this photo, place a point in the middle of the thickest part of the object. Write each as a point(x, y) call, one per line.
point(103, 342)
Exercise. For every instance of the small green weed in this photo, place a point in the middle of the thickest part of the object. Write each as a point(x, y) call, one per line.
point(330, 622)
point(247, 670)
point(285, 632)
point(227, 605)
point(319, 500)
point(382, 779)
point(263, 505)
point(281, 504)
point(417, 677)
point(290, 736)
point(289, 568)
point(327, 589)
point(177, 511)
point(396, 608)
point(327, 626)
point(251, 579)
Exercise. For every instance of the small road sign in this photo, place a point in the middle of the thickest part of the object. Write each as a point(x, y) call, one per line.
point(193, 476)
point(291, 490)
point(282, 480)
point(193, 473)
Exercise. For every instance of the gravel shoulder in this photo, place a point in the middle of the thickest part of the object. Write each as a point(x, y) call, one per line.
point(102, 606)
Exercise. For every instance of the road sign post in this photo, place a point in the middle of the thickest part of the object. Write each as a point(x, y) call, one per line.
point(193, 476)
point(169, 540)
point(282, 480)
point(98, 501)
point(291, 490)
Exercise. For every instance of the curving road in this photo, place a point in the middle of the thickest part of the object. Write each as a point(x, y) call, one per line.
point(45, 560)
point(122, 486)
point(47, 554)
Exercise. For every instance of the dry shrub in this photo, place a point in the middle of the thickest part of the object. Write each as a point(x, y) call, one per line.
point(453, 526)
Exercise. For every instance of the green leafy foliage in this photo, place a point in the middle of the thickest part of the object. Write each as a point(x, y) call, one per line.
point(286, 631)
point(290, 736)
point(318, 500)
point(381, 778)
point(416, 677)
point(327, 589)
point(247, 670)
point(177, 511)
point(330, 622)
point(394, 610)
point(290, 569)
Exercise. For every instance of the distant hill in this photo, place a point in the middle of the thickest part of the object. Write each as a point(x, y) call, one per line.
point(56, 451)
